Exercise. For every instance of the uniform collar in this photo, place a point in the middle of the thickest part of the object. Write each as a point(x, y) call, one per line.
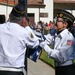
point(63, 33)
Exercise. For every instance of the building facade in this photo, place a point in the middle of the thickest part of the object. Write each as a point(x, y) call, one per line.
point(68, 5)
point(37, 9)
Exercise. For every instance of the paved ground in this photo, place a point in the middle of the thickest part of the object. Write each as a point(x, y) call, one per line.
point(39, 68)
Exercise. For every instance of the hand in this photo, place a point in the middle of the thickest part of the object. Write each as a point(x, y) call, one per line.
point(24, 22)
point(45, 47)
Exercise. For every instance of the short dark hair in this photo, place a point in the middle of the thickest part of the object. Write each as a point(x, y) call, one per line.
point(15, 19)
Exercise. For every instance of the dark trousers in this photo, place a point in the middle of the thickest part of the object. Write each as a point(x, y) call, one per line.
point(10, 73)
point(65, 70)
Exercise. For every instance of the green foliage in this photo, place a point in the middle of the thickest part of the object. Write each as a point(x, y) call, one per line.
point(44, 57)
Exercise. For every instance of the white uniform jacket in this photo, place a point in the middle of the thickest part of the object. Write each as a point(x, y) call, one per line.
point(13, 41)
point(63, 47)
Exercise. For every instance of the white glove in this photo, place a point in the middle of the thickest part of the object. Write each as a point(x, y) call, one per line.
point(45, 47)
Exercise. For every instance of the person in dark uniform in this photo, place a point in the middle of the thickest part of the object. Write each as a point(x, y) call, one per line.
point(62, 43)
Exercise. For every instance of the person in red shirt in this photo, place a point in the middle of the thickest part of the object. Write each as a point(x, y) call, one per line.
point(50, 25)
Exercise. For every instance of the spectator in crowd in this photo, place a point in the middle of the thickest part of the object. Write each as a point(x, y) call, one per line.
point(39, 26)
point(46, 28)
point(50, 25)
point(54, 28)
point(72, 30)
point(34, 25)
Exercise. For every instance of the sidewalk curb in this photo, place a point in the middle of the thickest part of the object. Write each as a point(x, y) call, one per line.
point(47, 64)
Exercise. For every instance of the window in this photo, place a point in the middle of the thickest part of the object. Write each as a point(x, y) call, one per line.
point(40, 1)
point(43, 14)
point(2, 19)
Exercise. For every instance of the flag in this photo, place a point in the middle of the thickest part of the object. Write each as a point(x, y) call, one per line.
point(34, 54)
point(69, 42)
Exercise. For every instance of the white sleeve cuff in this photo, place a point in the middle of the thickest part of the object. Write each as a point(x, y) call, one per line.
point(46, 47)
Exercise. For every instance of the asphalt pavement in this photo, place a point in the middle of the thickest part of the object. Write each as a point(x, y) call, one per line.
point(39, 68)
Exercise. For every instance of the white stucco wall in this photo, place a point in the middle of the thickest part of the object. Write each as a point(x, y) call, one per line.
point(5, 10)
point(36, 13)
point(72, 11)
point(48, 9)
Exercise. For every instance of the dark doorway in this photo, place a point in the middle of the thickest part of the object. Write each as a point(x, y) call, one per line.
point(31, 17)
point(2, 19)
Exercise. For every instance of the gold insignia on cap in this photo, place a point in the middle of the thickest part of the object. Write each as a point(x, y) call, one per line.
point(31, 35)
point(20, 11)
point(61, 15)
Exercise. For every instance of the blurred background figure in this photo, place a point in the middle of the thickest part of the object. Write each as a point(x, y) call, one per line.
point(46, 28)
point(50, 25)
point(53, 30)
point(72, 29)
point(39, 26)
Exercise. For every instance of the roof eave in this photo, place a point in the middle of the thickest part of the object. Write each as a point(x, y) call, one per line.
point(5, 4)
point(65, 2)
point(36, 6)
point(29, 6)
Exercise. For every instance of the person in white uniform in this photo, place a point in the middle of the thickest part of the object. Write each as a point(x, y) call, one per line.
point(62, 43)
point(14, 37)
